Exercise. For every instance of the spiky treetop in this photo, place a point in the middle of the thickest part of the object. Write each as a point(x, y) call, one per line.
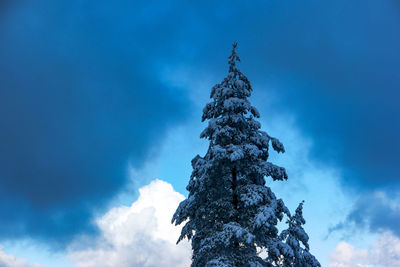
point(229, 212)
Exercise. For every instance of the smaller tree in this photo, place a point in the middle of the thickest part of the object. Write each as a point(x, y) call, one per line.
point(294, 254)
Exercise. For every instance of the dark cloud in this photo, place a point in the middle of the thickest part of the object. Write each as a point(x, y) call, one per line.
point(345, 68)
point(373, 212)
point(80, 98)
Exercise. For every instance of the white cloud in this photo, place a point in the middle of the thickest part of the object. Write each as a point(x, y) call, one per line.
point(7, 260)
point(139, 235)
point(385, 252)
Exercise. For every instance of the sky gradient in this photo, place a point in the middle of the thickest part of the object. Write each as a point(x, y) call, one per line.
point(97, 99)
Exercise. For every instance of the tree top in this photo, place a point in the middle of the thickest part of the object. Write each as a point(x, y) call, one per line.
point(233, 58)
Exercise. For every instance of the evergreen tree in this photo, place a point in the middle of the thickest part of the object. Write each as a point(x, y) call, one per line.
point(296, 255)
point(230, 214)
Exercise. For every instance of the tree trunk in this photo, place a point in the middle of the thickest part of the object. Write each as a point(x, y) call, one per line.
point(234, 186)
point(235, 199)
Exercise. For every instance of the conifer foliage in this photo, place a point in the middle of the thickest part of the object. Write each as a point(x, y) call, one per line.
point(295, 254)
point(230, 214)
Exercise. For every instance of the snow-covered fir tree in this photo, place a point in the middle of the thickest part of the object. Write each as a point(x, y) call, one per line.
point(230, 215)
point(295, 255)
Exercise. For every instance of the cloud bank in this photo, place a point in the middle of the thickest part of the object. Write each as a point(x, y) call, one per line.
point(140, 235)
point(375, 212)
point(7, 260)
point(385, 252)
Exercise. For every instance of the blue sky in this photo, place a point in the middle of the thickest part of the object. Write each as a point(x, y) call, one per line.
point(98, 99)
